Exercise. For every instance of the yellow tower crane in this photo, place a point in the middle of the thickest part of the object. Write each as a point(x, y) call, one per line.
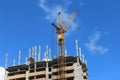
point(60, 30)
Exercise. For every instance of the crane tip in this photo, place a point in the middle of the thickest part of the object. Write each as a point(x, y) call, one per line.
point(59, 12)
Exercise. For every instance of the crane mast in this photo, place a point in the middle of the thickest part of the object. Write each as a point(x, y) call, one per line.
point(60, 30)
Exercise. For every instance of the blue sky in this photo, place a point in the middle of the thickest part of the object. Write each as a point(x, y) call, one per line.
point(27, 23)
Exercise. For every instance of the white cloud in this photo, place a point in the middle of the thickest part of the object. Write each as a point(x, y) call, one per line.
point(43, 5)
point(2, 73)
point(51, 12)
point(93, 46)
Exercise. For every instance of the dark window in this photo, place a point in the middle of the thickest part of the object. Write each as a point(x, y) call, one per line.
point(49, 69)
point(49, 75)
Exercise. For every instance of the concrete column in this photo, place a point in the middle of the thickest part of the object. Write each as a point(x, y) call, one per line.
point(27, 75)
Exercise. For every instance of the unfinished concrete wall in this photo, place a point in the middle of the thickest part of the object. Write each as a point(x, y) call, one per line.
point(78, 72)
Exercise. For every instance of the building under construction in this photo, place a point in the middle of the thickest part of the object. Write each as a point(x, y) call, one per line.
point(61, 68)
point(48, 69)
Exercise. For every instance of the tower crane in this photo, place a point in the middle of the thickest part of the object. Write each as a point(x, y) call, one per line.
point(61, 29)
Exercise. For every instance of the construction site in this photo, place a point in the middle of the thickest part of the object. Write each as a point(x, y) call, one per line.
point(62, 67)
